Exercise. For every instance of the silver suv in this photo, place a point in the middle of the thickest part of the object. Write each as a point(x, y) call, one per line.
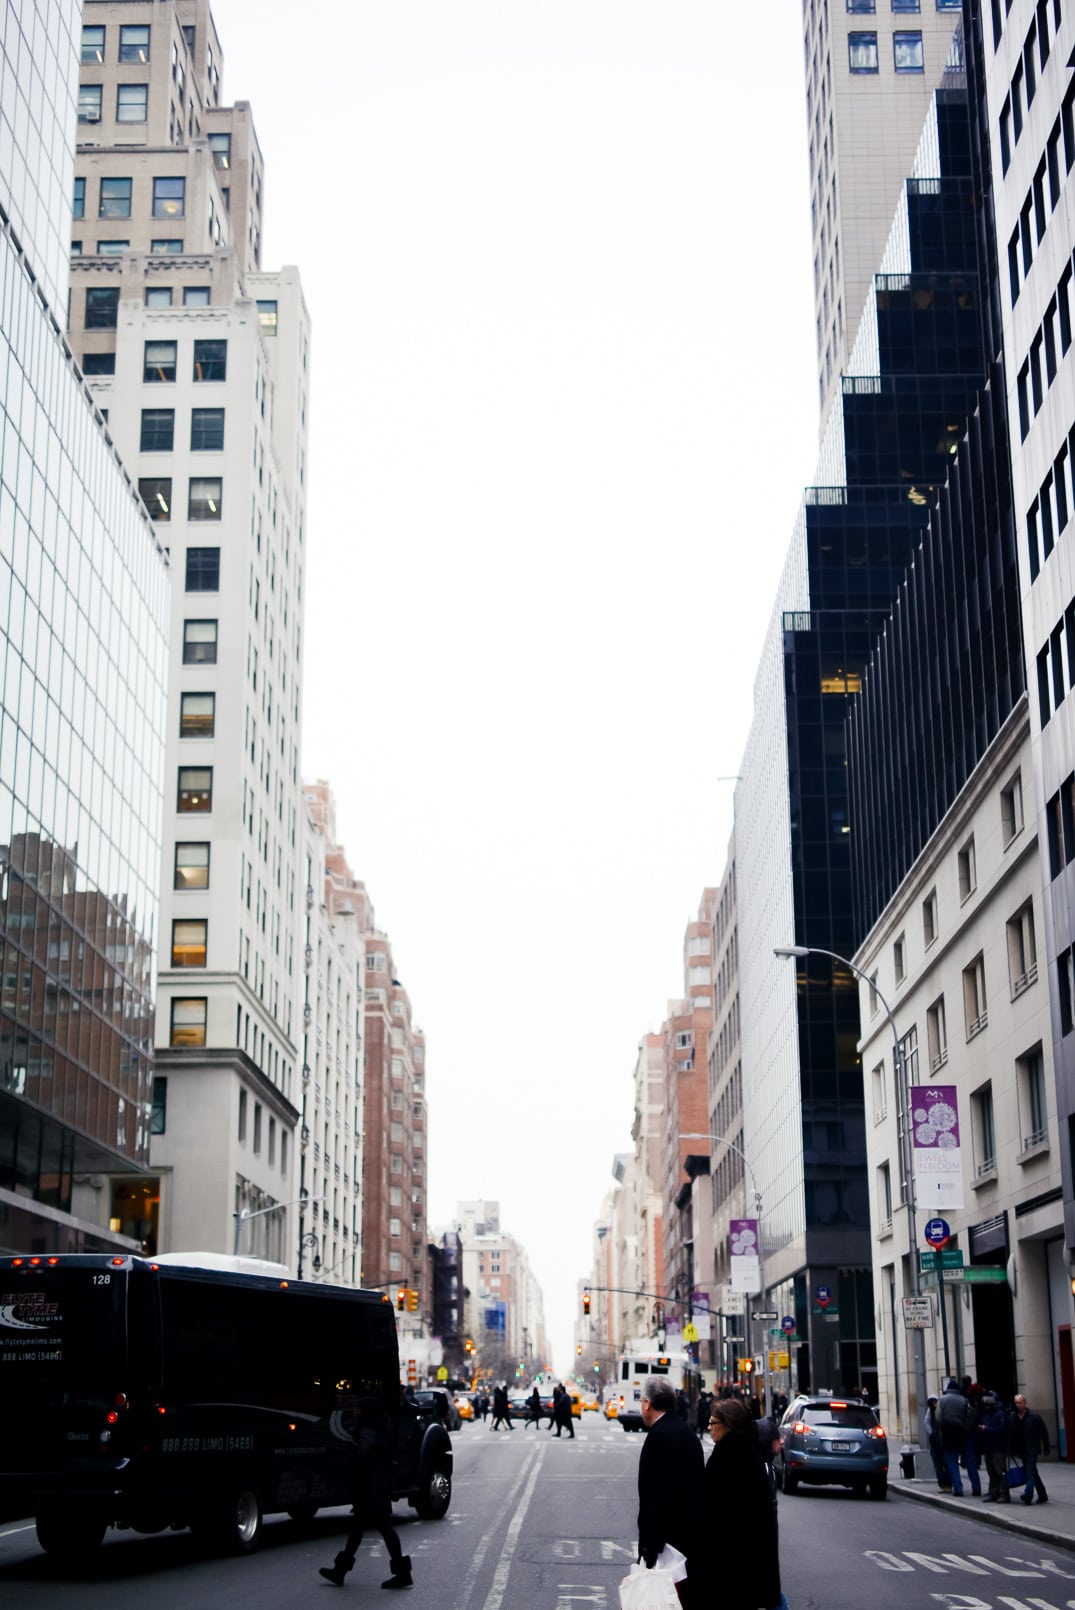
point(832, 1441)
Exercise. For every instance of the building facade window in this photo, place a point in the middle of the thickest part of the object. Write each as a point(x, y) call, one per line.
point(205, 498)
point(156, 493)
point(937, 1035)
point(195, 792)
point(158, 1114)
point(159, 296)
point(102, 308)
point(862, 53)
point(98, 363)
point(975, 1006)
point(967, 870)
point(169, 197)
point(268, 316)
point(203, 570)
point(197, 715)
point(79, 202)
point(158, 430)
point(89, 103)
point(114, 198)
point(210, 360)
point(134, 43)
point(207, 430)
point(191, 866)
point(985, 1140)
point(93, 46)
point(195, 296)
point(132, 103)
point(1022, 949)
point(220, 146)
point(159, 360)
point(188, 1021)
point(1034, 1118)
point(190, 939)
point(112, 248)
point(929, 918)
point(907, 53)
point(1011, 809)
point(200, 641)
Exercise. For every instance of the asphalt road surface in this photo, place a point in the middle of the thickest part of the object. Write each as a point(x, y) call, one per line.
point(542, 1524)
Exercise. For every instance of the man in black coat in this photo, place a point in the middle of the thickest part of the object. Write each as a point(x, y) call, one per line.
point(671, 1471)
point(1027, 1439)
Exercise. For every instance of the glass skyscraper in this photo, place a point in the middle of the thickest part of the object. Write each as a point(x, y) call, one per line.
point(914, 493)
point(84, 595)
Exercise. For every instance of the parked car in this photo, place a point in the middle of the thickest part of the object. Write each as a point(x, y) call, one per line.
point(435, 1403)
point(832, 1441)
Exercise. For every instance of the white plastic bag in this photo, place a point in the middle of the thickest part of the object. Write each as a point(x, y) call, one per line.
point(672, 1561)
point(643, 1589)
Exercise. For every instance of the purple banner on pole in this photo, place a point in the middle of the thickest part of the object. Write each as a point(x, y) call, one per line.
point(938, 1160)
point(743, 1247)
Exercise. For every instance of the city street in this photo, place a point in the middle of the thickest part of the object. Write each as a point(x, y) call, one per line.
point(540, 1524)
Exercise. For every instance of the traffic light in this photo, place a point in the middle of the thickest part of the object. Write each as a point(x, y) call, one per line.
point(401, 1299)
point(412, 1302)
point(578, 1349)
point(747, 1366)
point(586, 1303)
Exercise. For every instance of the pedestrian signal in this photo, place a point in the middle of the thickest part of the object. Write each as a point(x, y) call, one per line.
point(401, 1299)
point(746, 1366)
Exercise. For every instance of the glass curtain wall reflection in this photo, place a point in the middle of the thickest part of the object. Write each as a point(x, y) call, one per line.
point(83, 617)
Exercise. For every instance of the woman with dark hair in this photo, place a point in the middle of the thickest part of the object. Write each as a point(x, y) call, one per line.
point(739, 1512)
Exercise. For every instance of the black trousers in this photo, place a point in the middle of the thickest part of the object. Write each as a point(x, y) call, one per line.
point(373, 1518)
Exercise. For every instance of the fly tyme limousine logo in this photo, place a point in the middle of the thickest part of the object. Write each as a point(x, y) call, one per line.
point(27, 1310)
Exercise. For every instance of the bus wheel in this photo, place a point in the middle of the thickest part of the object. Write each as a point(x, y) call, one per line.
point(436, 1494)
point(68, 1536)
point(234, 1526)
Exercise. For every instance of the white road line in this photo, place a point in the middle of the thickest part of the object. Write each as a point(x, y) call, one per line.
point(483, 1547)
point(12, 1530)
point(500, 1577)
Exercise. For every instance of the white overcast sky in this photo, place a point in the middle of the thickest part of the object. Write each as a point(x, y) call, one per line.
point(557, 258)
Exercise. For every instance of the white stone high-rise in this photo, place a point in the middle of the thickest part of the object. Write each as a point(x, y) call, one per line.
point(200, 360)
point(871, 69)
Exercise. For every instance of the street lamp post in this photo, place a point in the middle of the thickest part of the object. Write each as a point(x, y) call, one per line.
point(276, 1207)
point(905, 1135)
point(732, 1147)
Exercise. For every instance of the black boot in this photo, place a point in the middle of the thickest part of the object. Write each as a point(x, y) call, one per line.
point(401, 1574)
point(336, 1573)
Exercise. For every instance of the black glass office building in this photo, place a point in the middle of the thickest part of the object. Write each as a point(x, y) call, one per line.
point(916, 504)
point(83, 621)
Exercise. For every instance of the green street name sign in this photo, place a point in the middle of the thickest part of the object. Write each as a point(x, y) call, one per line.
point(947, 1258)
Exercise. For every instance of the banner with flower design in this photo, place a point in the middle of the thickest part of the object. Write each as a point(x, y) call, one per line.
point(938, 1160)
point(743, 1246)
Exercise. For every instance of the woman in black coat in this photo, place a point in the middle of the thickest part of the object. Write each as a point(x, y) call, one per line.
point(740, 1518)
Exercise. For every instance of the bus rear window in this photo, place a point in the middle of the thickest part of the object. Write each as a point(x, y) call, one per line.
point(66, 1323)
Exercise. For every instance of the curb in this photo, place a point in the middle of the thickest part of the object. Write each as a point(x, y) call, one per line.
point(987, 1516)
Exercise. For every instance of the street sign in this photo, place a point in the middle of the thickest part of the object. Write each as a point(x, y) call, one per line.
point(984, 1274)
point(732, 1302)
point(778, 1361)
point(949, 1258)
point(765, 1315)
point(787, 1324)
point(442, 1373)
point(918, 1312)
point(822, 1296)
point(690, 1332)
point(938, 1232)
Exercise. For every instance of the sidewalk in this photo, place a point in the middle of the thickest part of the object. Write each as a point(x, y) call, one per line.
point(1052, 1523)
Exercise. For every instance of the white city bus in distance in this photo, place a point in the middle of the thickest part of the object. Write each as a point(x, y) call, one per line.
point(635, 1367)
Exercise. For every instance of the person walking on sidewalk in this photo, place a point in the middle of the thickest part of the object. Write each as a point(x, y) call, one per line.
point(955, 1418)
point(932, 1432)
point(993, 1442)
point(1027, 1439)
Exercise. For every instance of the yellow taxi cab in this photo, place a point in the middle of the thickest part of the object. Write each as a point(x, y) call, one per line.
point(589, 1401)
point(576, 1404)
point(612, 1409)
point(465, 1406)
